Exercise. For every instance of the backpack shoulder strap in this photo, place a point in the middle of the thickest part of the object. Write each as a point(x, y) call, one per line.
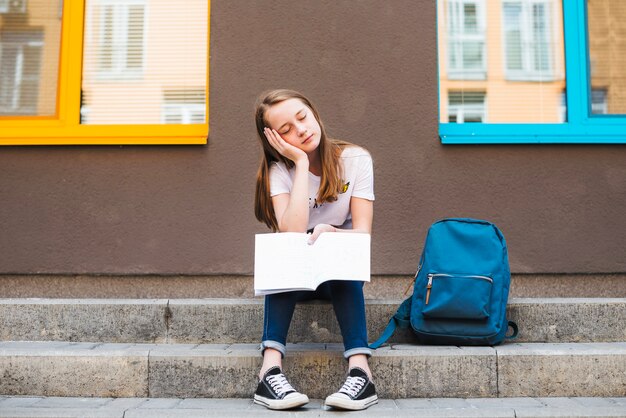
point(401, 319)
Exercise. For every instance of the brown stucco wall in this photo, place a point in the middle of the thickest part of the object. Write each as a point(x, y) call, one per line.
point(371, 68)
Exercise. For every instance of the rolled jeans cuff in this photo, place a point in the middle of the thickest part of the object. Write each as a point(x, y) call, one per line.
point(358, 350)
point(273, 344)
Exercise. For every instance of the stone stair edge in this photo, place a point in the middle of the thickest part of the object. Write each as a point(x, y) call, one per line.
point(259, 300)
point(241, 286)
point(217, 320)
point(522, 348)
point(521, 369)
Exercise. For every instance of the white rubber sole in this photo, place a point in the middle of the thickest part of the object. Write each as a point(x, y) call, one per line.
point(278, 404)
point(344, 403)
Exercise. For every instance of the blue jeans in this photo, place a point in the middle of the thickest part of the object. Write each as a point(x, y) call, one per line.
point(349, 305)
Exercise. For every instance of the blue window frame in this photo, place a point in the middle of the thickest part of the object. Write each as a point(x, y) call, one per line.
point(583, 122)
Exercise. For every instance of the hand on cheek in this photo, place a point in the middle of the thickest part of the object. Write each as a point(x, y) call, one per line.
point(283, 147)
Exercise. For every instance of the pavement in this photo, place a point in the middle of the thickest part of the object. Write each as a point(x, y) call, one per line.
point(40, 407)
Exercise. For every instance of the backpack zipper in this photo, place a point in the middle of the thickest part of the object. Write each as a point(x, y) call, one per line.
point(430, 276)
point(413, 281)
point(428, 287)
point(471, 276)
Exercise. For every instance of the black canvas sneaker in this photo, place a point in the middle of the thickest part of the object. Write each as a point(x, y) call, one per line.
point(275, 392)
point(357, 393)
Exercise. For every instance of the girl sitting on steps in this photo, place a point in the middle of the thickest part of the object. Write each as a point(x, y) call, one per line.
point(308, 182)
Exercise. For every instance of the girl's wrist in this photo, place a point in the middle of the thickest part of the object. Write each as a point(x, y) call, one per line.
point(302, 162)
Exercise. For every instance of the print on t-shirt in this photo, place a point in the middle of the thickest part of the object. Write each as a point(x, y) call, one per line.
point(316, 204)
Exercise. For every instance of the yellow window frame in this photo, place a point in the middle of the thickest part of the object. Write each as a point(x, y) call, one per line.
point(64, 128)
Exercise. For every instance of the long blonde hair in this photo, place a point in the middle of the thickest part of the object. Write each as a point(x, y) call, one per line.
point(330, 152)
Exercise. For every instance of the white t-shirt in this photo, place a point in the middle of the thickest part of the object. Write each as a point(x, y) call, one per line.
point(358, 181)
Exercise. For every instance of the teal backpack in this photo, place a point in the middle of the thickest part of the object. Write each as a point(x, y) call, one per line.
point(461, 287)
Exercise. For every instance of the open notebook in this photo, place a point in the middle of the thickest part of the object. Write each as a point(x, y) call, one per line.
point(285, 261)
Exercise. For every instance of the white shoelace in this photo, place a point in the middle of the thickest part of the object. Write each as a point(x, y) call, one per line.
point(279, 384)
point(353, 385)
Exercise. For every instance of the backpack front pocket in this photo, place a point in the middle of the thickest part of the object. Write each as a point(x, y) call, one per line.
point(457, 296)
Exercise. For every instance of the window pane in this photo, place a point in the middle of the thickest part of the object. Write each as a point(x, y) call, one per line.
point(466, 106)
point(466, 39)
point(471, 19)
point(134, 57)
point(513, 35)
point(145, 62)
point(472, 55)
point(541, 37)
point(607, 53)
point(30, 42)
point(512, 51)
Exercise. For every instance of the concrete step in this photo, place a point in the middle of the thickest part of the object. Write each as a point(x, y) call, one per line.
point(41, 407)
point(223, 370)
point(228, 321)
point(535, 285)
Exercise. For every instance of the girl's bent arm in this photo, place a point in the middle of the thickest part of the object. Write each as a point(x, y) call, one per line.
point(362, 211)
point(292, 209)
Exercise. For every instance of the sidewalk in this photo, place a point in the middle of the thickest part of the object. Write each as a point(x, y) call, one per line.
point(40, 407)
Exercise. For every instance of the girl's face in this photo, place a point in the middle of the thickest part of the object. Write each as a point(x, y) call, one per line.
point(295, 123)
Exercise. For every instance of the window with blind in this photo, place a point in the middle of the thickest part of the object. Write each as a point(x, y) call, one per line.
point(466, 106)
point(104, 72)
point(607, 56)
point(183, 106)
point(466, 40)
point(119, 37)
point(527, 27)
point(20, 67)
point(551, 71)
point(29, 59)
